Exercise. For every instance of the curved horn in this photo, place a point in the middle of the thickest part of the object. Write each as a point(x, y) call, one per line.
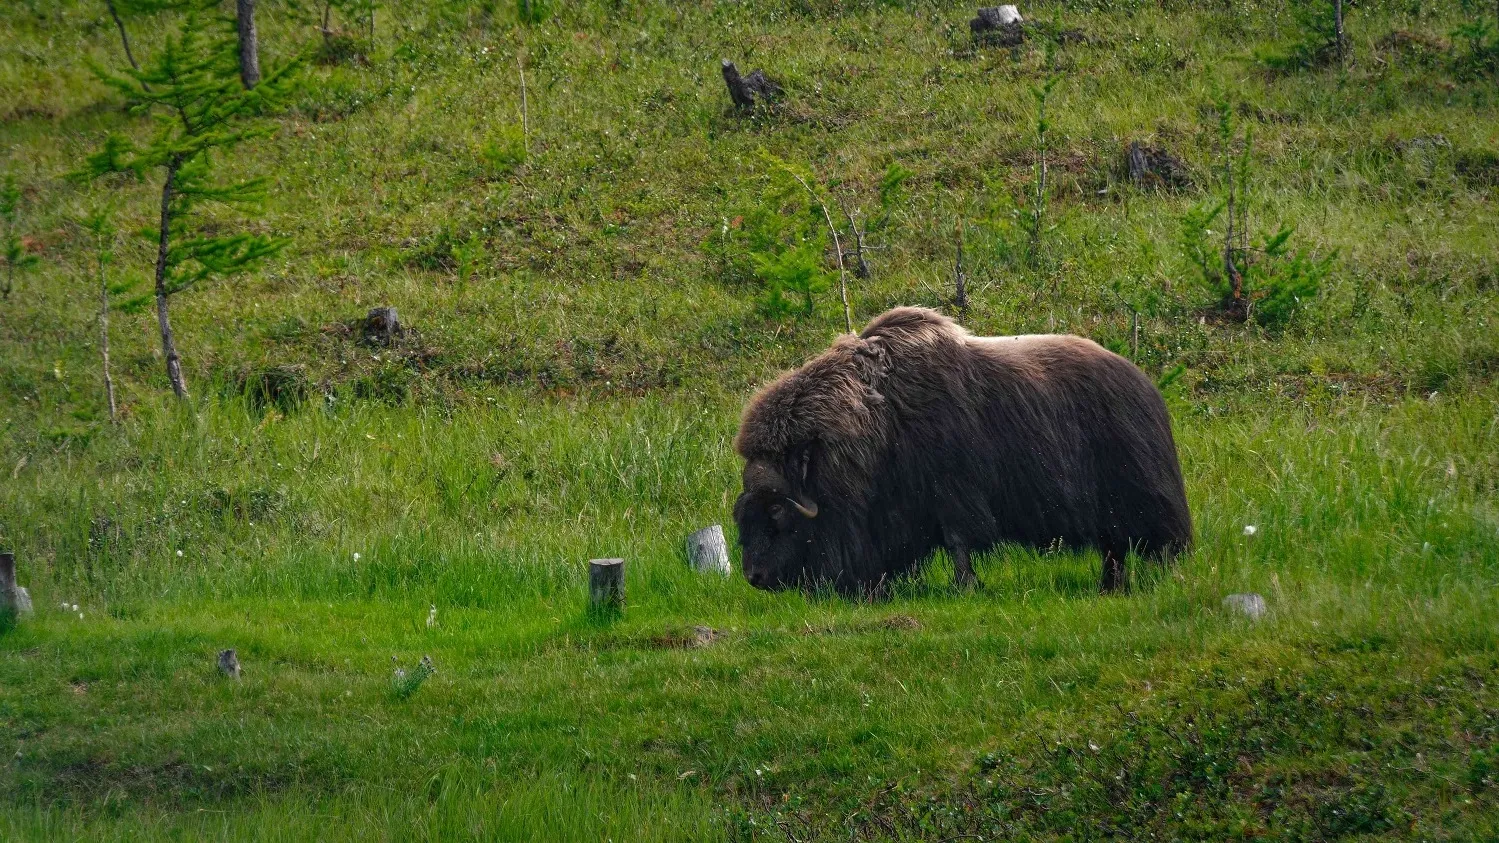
point(807, 508)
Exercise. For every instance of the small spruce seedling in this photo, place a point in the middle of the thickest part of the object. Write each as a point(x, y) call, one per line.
point(202, 110)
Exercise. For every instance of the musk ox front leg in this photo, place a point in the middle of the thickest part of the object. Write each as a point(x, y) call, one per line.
point(957, 548)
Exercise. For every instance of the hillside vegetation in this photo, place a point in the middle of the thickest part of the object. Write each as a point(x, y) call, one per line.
point(585, 286)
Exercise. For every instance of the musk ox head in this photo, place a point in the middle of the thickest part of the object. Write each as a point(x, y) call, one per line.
point(776, 515)
point(812, 442)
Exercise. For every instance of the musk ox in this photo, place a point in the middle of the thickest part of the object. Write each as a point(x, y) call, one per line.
point(916, 435)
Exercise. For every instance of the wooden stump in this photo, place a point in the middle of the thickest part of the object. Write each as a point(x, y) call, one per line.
point(14, 600)
point(229, 663)
point(749, 91)
point(382, 326)
point(708, 551)
point(606, 583)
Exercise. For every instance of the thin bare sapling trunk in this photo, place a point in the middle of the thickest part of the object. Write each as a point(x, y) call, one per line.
point(109, 384)
point(1337, 10)
point(525, 111)
point(163, 293)
point(960, 281)
point(848, 317)
point(249, 48)
point(124, 37)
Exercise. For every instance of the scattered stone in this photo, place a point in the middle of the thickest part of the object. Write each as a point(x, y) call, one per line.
point(708, 551)
point(1152, 166)
point(403, 685)
point(689, 639)
point(998, 25)
point(382, 326)
point(901, 623)
point(1251, 605)
point(229, 663)
point(749, 91)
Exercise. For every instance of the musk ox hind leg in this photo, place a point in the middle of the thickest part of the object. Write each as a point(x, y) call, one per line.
point(1115, 575)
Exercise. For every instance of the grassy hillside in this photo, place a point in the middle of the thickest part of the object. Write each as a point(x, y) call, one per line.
point(576, 397)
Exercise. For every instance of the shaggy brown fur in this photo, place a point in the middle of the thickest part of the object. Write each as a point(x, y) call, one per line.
point(917, 435)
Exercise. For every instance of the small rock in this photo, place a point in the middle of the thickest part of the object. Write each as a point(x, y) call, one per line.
point(702, 636)
point(229, 663)
point(1153, 166)
point(1001, 25)
point(1250, 605)
point(904, 623)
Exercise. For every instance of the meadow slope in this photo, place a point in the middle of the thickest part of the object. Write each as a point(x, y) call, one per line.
point(577, 394)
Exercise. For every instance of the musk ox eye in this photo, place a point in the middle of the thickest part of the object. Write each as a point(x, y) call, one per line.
point(776, 511)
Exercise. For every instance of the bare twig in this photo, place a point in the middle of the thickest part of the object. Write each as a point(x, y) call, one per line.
point(848, 317)
point(1337, 6)
point(109, 384)
point(862, 270)
point(525, 111)
point(124, 38)
point(960, 281)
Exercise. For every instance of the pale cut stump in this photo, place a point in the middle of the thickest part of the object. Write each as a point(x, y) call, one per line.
point(14, 600)
point(606, 583)
point(708, 551)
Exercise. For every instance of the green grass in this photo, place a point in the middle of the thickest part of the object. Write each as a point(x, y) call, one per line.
point(578, 398)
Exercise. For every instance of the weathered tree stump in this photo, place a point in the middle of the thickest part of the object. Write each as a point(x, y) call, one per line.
point(749, 91)
point(606, 583)
point(14, 600)
point(1152, 166)
point(1250, 605)
point(382, 326)
point(229, 663)
point(999, 25)
point(708, 551)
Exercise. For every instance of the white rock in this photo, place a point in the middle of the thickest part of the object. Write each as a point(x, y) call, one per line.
point(1250, 605)
point(1009, 15)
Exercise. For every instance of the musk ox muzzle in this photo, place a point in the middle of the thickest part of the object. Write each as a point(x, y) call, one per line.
point(916, 435)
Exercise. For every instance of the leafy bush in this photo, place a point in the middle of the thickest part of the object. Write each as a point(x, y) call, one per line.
point(1274, 284)
point(778, 242)
point(1482, 54)
point(1316, 43)
point(503, 152)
